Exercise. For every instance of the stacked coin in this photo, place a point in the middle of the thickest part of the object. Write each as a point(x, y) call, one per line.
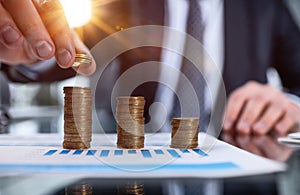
point(184, 133)
point(77, 118)
point(130, 119)
point(79, 189)
point(134, 188)
point(82, 59)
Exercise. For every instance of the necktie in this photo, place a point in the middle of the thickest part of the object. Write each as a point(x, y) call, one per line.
point(195, 25)
point(195, 28)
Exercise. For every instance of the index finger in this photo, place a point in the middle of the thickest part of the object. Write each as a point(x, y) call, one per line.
point(31, 26)
point(234, 107)
point(53, 16)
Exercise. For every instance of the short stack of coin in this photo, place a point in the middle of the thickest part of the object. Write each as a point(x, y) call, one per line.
point(81, 59)
point(77, 118)
point(130, 119)
point(184, 133)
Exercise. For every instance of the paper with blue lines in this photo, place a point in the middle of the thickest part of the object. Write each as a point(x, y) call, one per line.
point(105, 160)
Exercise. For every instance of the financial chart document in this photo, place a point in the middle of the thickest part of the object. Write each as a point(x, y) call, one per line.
point(43, 154)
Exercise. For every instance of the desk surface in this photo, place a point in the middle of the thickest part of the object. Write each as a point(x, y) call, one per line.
point(286, 182)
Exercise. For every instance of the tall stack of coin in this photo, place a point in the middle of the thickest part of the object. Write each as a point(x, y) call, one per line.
point(184, 133)
point(130, 119)
point(77, 118)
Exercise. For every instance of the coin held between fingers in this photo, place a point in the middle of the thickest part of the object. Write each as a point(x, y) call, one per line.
point(81, 59)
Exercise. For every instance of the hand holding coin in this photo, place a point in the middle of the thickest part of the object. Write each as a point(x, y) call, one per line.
point(38, 31)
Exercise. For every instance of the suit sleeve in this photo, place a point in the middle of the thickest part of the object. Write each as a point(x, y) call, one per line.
point(287, 50)
point(43, 71)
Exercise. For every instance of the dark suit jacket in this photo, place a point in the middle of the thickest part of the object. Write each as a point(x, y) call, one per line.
point(258, 35)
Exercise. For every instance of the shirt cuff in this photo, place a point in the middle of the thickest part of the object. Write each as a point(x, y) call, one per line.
point(295, 99)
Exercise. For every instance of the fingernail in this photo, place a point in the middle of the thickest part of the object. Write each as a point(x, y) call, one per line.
point(259, 127)
point(244, 126)
point(280, 127)
point(227, 125)
point(64, 57)
point(43, 49)
point(10, 35)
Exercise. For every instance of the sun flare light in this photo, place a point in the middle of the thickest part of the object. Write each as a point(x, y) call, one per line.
point(78, 12)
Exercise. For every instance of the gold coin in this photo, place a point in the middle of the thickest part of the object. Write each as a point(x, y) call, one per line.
point(129, 110)
point(132, 104)
point(185, 129)
point(130, 147)
point(84, 140)
point(75, 145)
point(130, 98)
point(130, 127)
point(84, 56)
point(73, 102)
point(83, 136)
point(138, 121)
point(130, 135)
point(77, 121)
point(80, 97)
point(184, 121)
point(82, 59)
point(129, 116)
point(77, 129)
point(78, 125)
point(76, 88)
point(75, 140)
point(76, 133)
point(179, 135)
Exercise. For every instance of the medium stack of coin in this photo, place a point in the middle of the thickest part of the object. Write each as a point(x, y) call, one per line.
point(130, 119)
point(81, 59)
point(77, 118)
point(184, 133)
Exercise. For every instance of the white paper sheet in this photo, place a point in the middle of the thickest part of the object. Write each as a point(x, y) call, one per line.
point(44, 154)
point(293, 139)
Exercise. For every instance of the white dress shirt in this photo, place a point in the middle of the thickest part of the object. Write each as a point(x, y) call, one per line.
point(213, 42)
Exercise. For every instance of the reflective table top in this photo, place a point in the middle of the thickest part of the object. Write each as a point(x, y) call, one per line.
point(267, 146)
